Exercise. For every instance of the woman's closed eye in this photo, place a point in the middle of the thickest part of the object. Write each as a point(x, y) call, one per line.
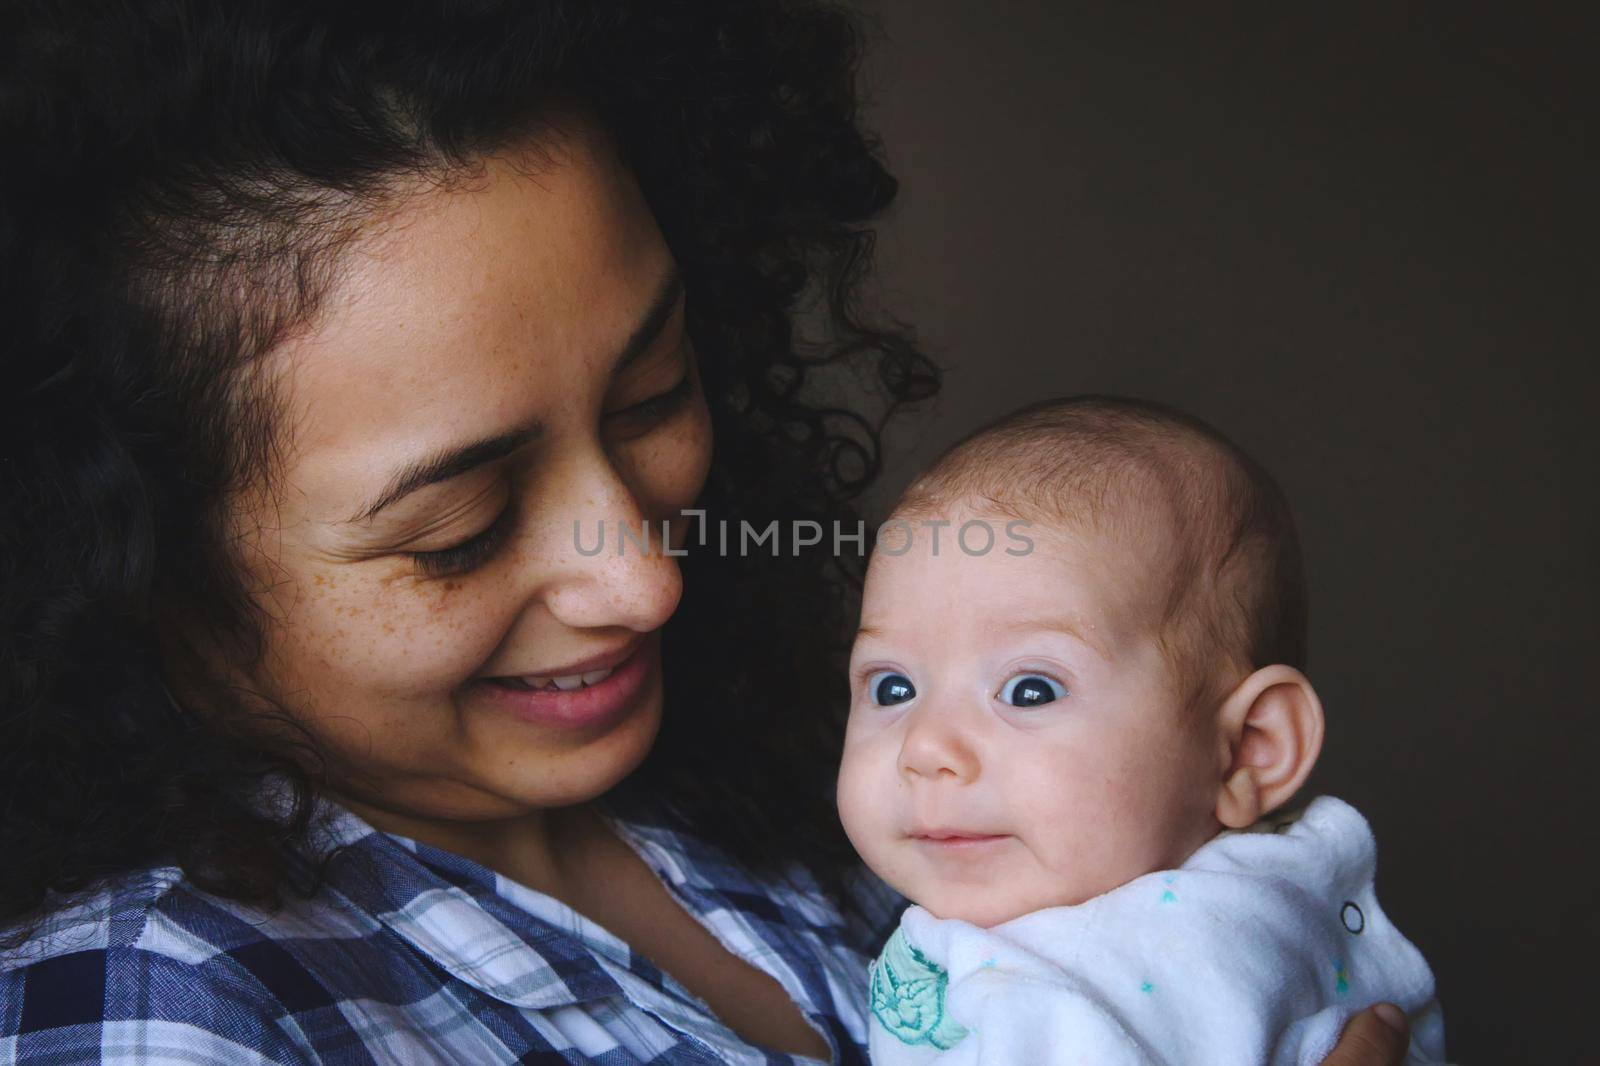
point(474, 551)
point(659, 406)
point(640, 417)
point(1031, 690)
point(468, 554)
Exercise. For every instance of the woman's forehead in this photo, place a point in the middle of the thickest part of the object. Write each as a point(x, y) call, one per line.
point(471, 311)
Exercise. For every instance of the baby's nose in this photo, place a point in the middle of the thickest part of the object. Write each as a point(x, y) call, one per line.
point(935, 749)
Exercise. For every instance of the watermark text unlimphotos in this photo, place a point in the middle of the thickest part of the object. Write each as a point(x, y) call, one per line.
point(897, 536)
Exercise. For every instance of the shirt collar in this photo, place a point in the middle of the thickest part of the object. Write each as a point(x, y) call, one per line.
point(449, 909)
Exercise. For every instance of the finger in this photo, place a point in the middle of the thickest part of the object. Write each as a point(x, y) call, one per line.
point(1378, 1036)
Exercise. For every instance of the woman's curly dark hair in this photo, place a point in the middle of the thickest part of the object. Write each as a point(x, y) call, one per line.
point(180, 178)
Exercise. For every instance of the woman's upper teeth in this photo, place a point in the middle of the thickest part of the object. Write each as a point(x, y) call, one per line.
point(572, 681)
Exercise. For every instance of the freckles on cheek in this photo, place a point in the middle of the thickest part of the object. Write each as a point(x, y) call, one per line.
point(397, 635)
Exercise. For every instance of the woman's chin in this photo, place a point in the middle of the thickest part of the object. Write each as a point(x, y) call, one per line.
point(553, 749)
point(586, 770)
point(506, 777)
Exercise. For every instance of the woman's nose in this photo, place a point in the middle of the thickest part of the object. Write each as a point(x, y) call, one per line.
point(603, 557)
point(937, 748)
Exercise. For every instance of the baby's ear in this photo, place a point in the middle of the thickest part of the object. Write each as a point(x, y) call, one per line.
point(1273, 725)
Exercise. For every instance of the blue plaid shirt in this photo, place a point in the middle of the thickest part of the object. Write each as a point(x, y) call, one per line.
point(410, 954)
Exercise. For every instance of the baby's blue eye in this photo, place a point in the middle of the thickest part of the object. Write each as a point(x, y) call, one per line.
point(887, 687)
point(1030, 690)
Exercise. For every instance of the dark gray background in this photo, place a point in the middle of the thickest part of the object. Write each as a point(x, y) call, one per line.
point(1358, 241)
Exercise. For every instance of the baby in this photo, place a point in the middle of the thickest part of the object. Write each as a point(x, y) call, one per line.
point(1077, 691)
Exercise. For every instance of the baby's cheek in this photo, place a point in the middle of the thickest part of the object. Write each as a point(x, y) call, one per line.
point(1136, 800)
point(848, 794)
point(1076, 811)
point(866, 798)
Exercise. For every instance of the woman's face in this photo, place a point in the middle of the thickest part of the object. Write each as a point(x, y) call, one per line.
point(497, 363)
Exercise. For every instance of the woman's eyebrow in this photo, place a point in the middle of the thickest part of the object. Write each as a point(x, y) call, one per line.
point(457, 460)
point(444, 465)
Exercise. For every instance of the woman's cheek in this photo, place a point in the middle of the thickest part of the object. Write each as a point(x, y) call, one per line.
point(400, 634)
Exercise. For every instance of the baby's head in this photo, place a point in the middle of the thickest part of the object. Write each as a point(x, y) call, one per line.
point(1115, 679)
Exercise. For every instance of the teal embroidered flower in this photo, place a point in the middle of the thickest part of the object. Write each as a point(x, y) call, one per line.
point(908, 996)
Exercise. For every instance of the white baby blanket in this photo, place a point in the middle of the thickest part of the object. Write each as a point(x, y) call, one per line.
point(1257, 949)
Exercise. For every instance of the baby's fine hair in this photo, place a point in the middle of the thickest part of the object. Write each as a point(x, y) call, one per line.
point(1169, 486)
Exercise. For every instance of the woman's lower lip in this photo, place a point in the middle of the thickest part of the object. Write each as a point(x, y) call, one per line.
point(602, 704)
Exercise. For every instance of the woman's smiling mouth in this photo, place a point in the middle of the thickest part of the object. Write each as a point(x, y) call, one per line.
point(597, 698)
point(564, 684)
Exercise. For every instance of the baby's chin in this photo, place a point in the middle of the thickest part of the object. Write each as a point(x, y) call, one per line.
point(983, 909)
point(995, 904)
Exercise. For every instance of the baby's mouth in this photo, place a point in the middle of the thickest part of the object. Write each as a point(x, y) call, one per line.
point(955, 837)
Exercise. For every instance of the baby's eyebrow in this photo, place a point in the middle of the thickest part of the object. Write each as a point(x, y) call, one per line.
point(1066, 626)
